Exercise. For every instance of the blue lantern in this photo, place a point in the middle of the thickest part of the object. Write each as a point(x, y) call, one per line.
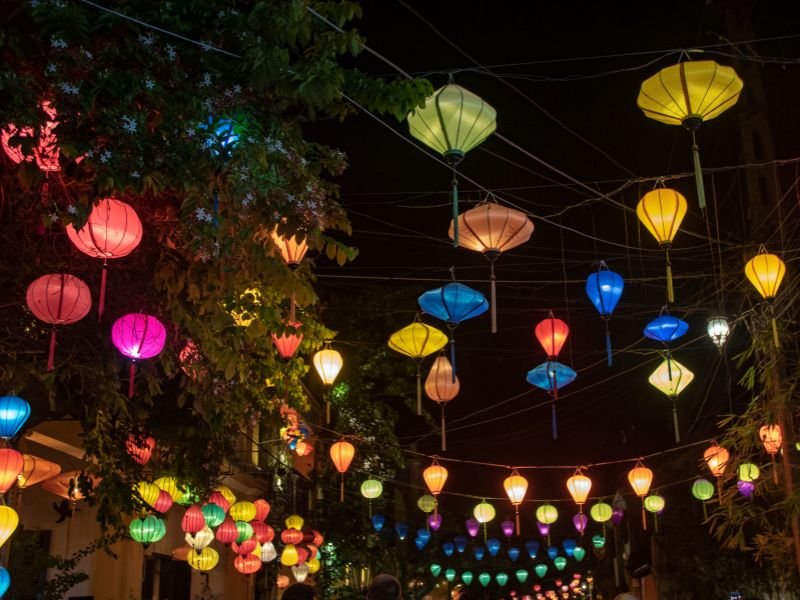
point(453, 303)
point(551, 376)
point(569, 546)
point(665, 329)
point(378, 522)
point(461, 543)
point(493, 546)
point(513, 553)
point(420, 543)
point(14, 412)
point(604, 289)
point(552, 552)
point(479, 552)
point(448, 548)
point(532, 547)
point(424, 534)
point(402, 530)
point(5, 581)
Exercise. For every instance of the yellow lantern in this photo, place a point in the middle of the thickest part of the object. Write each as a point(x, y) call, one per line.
point(688, 94)
point(313, 565)
point(452, 122)
point(9, 519)
point(547, 514)
point(292, 250)
point(661, 211)
point(342, 453)
point(203, 561)
point(671, 378)
point(227, 493)
point(289, 556)
point(579, 486)
point(294, 522)
point(328, 363)
point(654, 503)
point(242, 511)
point(749, 472)
point(490, 229)
point(35, 470)
point(149, 492)
point(170, 485)
point(426, 503)
point(766, 271)
point(516, 486)
point(371, 489)
point(484, 512)
point(601, 512)
point(417, 341)
point(640, 478)
point(441, 387)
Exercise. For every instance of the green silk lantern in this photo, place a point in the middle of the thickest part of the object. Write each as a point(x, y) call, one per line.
point(436, 570)
point(426, 503)
point(214, 514)
point(485, 579)
point(245, 531)
point(703, 489)
point(148, 530)
point(598, 541)
point(749, 472)
point(521, 575)
point(579, 553)
point(541, 570)
point(450, 575)
point(466, 577)
point(601, 512)
point(654, 503)
point(501, 579)
point(547, 514)
point(371, 489)
point(560, 562)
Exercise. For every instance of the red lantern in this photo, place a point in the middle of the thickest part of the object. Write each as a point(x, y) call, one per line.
point(164, 502)
point(227, 531)
point(246, 547)
point(113, 230)
point(288, 342)
point(193, 519)
point(263, 532)
point(312, 551)
point(58, 299)
point(302, 555)
point(11, 463)
point(291, 536)
point(262, 509)
point(140, 448)
point(318, 539)
point(552, 333)
point(46, 151)
point(220, 500)
point(247, 565)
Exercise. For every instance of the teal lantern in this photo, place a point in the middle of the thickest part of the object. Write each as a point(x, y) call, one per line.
point(501, 578)
point(560, 562)
point(541, 570)
point(214, 514)
point(466, 577)
point(598, 541)
point(436, 570)
point(450, 575)
point(485, 579)
point(579, 553)
point(521, 575)
point(5, 581)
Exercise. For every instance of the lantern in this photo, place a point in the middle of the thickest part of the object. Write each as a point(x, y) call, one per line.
point(291, 536)
point(200, 539)
point(560, 563)
point(426, 503)
point(703, 489)
point(532, 548)
point(281, 582)
point(163, 503)
point(718, 331)
point(417, 341)
point(579, 553)
point(203, 561)
point(501, 579)
point(9, 519)
point(5, 581)
point(289, 340)
point(491, 229)
point(765, 271)
point(601, 512)
point(248, 546)
point(434, 521)
point(551, 376)
point(716, 458)
point(688, 94)
point(484, 512)
point(569, 546)
point(244, 531)
point(268, 552)
point(14, 412)
point(513, 553)
point(604, 289)
point(113, 230)
point(665, 329)
point(521, 575)
point(516, 486)
point(342, 453)
point(371, 489)
point(140, 448)
point(493, 546)
point(640, 478)
point(262, 532)
point(441, 386)
point(213, 514)
point(772, 438)
point(11, 463)
point(193, 520)
point(171, 486)
point(467, 577)
point(547, 514)
point(435, 476)
point(35, 470)
point(227, 531)
point(654, 503)
point(580, 521)
point(551, 333)
point(243, 511)
point(485, 579)
point(148, 530)
point(249, 564)
point(227, 493)
point(292, 250)
point(579, 486)
point(661, 211)
point(378, 522)
point(541, 570)
point(58, 299)
point(472, 527)
point(749, 472)
point(137, 335)
point(217, 498)
point(262, 509)
point(328, 363)
point(452, 122)
point(401, 529)
point(671, 378)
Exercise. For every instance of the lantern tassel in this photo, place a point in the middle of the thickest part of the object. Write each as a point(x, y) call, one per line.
point(132, 377)
point(775, 339)
point(644, 517)
point(705, 512)
point(698, 174)
point(774, 470)
point(341, 487)
point(608, 345)
point(518, 527)
point(675, 419)
point(670, 288)
point(444, 434)
point(455, 207)
point(419, 389)
point(51, 356)
point(327, 412)
point(101, 304)
point(493, 281)
point(555, 424)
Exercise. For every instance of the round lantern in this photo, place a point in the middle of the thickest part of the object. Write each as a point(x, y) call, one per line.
point(342, 453)
point(244, 531)
point(289, 339)
point(718, 330)
point(484, 512)
point(281, 582)
point(9, 519)
point(604, 289)
point(227, 532)
point(171, 486)
point(579, 486)
point(516, 486)
point(547, 514)
point(11, 463)
point(213, 514)
point(765, 271)
point(371, 489)
point(417, 341)
point(35, 470)
point(113, 230)
point(242, 511)
point(193, 520)
point(148, 530)
point(292, 249)
point(164, 502)
point(58, 299)
point(749, 472)
point(426, 503)
point(14, 413)
point(640, 478)
point(441, 386)
point(262, 509)
point(661, 211)
point(601, 512)
point(654, 503)
point(140, 448)
point(227, 493)
point(203, 561)
point(137, 335)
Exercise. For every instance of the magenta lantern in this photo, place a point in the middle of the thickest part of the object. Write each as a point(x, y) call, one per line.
point(435, 521)
point(472, 527)
point(544, 528)
point(580, 521)
point(746, 488)
point(508, 528)
point(137, 335)
point(616, 516)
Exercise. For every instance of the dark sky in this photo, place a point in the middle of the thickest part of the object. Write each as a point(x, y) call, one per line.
point(568, 97)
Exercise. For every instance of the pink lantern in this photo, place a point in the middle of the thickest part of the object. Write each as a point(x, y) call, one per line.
point(289, 340)
point(473, 527)
point(140, 448)
point(246, 547)
point(137, 335)
point(580, 521)
point(508, 528)
point(46, 151)
point(217, 498)
point(164, 502)
point(58, 299)
point(113, 230)
point(262, 532)
point(435, 521)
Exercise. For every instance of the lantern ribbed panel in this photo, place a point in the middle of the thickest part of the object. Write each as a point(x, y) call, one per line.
point(137, 335)
point(113, 230)
point(216, 497)
point(201, 539)
point(246, 547)
point(292, 250)
point(417, 340)
point(654, 503)
point(244, 531)
point(662, 211)
point(601, 512)
point(203, 561)
point(227, 493)
point(491, 227)
point(14, 413)
point(35, 470)
point(9, 519)
point(289, 555)
point(59, 298)
point(148, 530)
point(263, 532)
point(149, 492)
point(749, 472)
point(716, 458)
point(290, 535)
point(163, 503)
point(671, 377)
point(439, 385)
point(702, 489)
point(765, 271)
point(11, 463)
point(213, 513)
point(516, 486)
point(699, 89)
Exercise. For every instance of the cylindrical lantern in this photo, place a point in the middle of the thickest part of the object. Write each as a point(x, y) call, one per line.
point(137, 335)
point(342, 453)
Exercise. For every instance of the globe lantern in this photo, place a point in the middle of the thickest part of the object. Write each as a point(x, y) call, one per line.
point(453, 122)
point(749, 472)
point(35, 470)
point(138, 336)
point(516, 486)
point(248, 564)
point(147, 530)
point(417, 341)
point(262, 509)
point(163, 503)
point(491, 229)
point(243, 511)
point(113, 230)
point(328, 363)
point(703, 489)
point(289, 339)
point(371, 489)
point(426, 503)
point(604, 289)
point(547, 514)
point(227, 531)
point(579, 486)
point(484, 512)
point(661, 211)
point(671, 378)
point(688, 94)
point(342, 453)
point(718, 330)
point(601, 512)
point(58, 299)
point(214, 514)
point(640, 478)
point(442, 386)
point(203, 561)
point(289, 555)
point(654, 503)
point(14, 412)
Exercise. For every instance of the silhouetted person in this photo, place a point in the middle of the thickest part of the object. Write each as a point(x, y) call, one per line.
point(384, 587)
point(298, 591)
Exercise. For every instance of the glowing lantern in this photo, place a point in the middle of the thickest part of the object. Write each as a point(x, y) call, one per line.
point(371, 489)
point(560, 563)
point(140, 448)
point(434, 521)
point(148, 530)
point(137, 336)
point(661, 211)
point(227, 493)
point(200, 539)
point(601, 512)
point(149, 492)
point(551, 376)
point(11, 463)
point(765, 271)
point(58, 299)
point(217, 498)
point(441, 387)
point(289, 339)
point(244, 531)
point(552, 334)
point(9, 519)
point(654, 503)
point(521, 575)
point(484, 512)
point(671, 378)
point(294, 522)
point(268, 552)
point(749, 472)
point(579, 553)
point(171, 486)
point(580, 521)
point(501, 578)
point(716, 458)
point(493, 546)
point(243, 511)
point(401, 529)
point(378, 521)
point(213, 514)
point(547, 514)
point(746, 488)
point(193, 520)
point(541, 570)
point(703, 489)
point(5, 581)
point(35, 470)
point(262, 509)
point(291, 536)
point(300, 572)
point(579, 486)
point(453, 122)
point(304, 449)
point(666, 329)
point(688, 94)
point(532, 548)
point(426, 503)
point(342, 453)
point(289, 555)
point(473, 527)
point(113, 230)
point(479, 552)
point(435, 476)
point(292, 249)
point(448, 548)
point(569, 546)
point(513, 553)
point(604, 289)
point(417, 341)
point(772, 438)
point(262, 532)
point(516, 486)
point(248, 546)
point(718, 331)
point(328, 363)
point(163, 503)
point(282, 582)
point(247, 565)
point(227, 532)
point(485, 579)
point(640, 478)
point(467, 577)
point(14, 412)
point(491, 229)
point(203, 561)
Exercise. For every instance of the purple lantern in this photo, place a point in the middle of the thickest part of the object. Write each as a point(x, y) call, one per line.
point(507, 527)
point(544, 528)
point(435, 521)
point(746, 488)
point(137, 335)
point(473, 527)
point(617, 515)
point(580, 521)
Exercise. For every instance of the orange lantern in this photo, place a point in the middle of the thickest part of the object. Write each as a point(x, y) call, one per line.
point(247, 565)
point(11, 463)
point(716, 458)
point(35, 470)
point(289, 340)
point(640, 478)
point(262, 509)
point(441, 387)
point(282, 582)
point(579, 486)
point(140, 448)
point(66, 485)
point(113, 230)
point(342, 453)
point(552, 333)
point(772, 438)
point(303, 449)
point(516, 487)
point(292, 250)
